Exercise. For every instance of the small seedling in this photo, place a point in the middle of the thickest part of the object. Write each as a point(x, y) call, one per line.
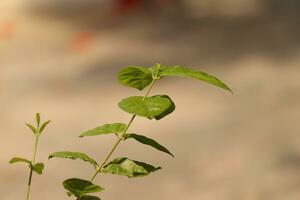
point(33, 166)
point(151, 107)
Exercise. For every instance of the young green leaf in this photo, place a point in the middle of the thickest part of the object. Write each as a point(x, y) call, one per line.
point(18, 159)
point(38, 119)
point(79, 187)
point(168, 111)
point(38, 168)
point(129, 168)
point(136, 77)
point(147, 107)
point(44, 125)
point(185, 72)
point(88, 197)
point(105, 129)
point(148, 141)
point(73, 156)
point(33, 129)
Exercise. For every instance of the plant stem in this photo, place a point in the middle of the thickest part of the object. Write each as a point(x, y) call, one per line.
point(32, 164)
point(121, 137)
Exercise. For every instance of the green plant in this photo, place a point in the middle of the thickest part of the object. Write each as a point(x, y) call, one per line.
point(151, 107)
point(33, 166)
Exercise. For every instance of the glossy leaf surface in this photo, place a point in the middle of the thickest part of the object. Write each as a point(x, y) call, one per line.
point(185, 72)
point(79, 187)
point(129, 168)
point(149, 107)
point(105, 129)
point(136, 77)
point(148, 141)
point(73, 156)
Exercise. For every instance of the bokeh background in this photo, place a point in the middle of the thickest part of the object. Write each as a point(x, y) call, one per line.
point(60, 58)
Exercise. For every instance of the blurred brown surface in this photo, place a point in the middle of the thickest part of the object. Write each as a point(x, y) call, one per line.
point(61, 59)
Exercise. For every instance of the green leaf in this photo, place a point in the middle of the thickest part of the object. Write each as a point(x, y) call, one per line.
point(105, 129)
point(33, 129)
point(136, 77)
point(44, 125)
point(185, 72)
point(73, 156)
point(149, 107)
point(79, 187)
point(129, 168)
point(168, 111)
point(38, 168)
point(88, 197)
point(148, 141)
point(38, 119)
point(18, 159)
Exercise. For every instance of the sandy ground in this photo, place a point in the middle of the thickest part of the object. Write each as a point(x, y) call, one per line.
point(243, 146)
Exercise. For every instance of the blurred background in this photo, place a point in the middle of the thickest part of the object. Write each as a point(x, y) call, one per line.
point(60, 58)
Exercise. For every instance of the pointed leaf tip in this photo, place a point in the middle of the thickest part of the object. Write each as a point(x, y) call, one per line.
point(38, 119)
point(44, 125)
point(189, 73)
point(148, 141)
point(32, 128)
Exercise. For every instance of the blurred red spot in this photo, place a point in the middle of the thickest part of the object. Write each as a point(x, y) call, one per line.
point(7, 29)
point(127, 6)
point(81, 41)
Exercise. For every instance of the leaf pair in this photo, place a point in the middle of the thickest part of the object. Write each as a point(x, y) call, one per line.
point(37, 130)
point(120, 166)
point(38, 167)
point(118, 128)
point(140, 77)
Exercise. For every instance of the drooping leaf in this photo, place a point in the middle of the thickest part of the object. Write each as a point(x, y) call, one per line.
point(168, 111)
point(33, 129)
point(148, 141)
point(79, 187)
point(88, 197)
point(18, 159)
point(105, 129)
point(73, 156)
point(129, 168)
point(38, 168)
point(44, 125)
point(185, 72)
point(149, 107)
point(38, 119)
point(136, 77)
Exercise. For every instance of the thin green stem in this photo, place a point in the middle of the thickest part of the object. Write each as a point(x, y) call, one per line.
point(32, 164)
point(120, 138)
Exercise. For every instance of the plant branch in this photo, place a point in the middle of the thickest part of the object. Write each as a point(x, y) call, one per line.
point(32, 164)
point(121, 137)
